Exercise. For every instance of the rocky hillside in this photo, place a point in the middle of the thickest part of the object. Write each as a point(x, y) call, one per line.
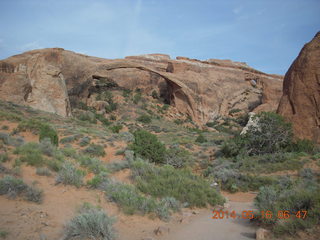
point(56, 80)
point(300, 102)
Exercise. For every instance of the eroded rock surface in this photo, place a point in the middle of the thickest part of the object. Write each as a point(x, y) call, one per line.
point(56, 80)
point(300, 103)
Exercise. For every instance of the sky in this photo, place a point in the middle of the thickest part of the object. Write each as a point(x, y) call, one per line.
point(266, 34)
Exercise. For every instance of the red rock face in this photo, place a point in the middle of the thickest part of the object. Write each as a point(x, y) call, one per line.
point(55, 80)
point(300, 103)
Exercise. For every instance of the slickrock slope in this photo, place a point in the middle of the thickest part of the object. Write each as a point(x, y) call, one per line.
point(300, 103)
point(55, 80)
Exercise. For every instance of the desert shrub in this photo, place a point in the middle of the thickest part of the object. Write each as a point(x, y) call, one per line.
point(71, 138)
point(211, 124)
point(33, 194)
point(99, 180)
point(148, 146)
point(116, 128)
point(47, 147)
point(11, 186)
point(31, 154)
point(84, 141)
point(4, 157)
point(234, 110)
point(154, 94)
point(43, 171)
point(126, 93)
point(95, 150)
point(201, 139)
point(302, 145)
point(243, 119)
point(47, 131)
point(5, 138)
point(4, 127)
point(90, 223)
point(69, 151)
point(93, 164)
point(3, 234)
point(272, 134)
point(111, 107)
point(33, 125)
point(137, 97)
point(307, 173)
point(144, 118)
point(14, 187)
point(86, 116)
point(178, 157)
point(293, 196)
point(126, 136)
point(231, 179)
point(178, 183)
point(113, 117)
point(129, 199)
point(102, 119)
point(69, 175)
point(118, 166)
point(54, 165)
point(178, 121)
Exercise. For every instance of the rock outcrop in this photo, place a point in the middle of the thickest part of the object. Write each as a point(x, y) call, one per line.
point(300, 103)
point(56, 80)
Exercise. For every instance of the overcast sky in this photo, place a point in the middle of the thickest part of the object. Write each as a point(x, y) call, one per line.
point(266, 34)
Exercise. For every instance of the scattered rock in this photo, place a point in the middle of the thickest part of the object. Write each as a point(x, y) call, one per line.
point(161, 230)
point(262, 234)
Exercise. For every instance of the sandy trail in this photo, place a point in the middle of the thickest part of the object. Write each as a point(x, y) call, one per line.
point(203, 227)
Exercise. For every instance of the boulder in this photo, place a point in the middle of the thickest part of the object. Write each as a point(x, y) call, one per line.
point(300, 102)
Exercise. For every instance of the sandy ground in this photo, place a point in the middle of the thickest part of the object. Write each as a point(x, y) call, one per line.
point(203, 227)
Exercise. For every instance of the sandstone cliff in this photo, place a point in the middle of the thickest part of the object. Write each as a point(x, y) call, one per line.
point(300, 103)
point(55, 80)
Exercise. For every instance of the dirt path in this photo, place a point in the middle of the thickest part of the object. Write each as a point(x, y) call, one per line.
point(203, 227)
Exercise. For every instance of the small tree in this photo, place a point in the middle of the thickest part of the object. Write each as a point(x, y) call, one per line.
point(148, 146)
point(47, 131)
point(271, 134)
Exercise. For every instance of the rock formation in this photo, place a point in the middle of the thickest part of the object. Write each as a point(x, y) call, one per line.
point(300, 103)
point(56, 80)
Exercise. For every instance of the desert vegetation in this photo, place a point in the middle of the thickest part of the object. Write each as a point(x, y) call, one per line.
point(171, 164)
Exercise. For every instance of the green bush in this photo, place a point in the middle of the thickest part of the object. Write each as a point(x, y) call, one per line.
point(43, 171)
point(47, 131)
point(116, 128)
point(148, 146)
point(84, 141)
point(31, 154)
point(129, 199)
point(102, 119)
point(99, 180)
point(93, 164)
point(178, 183)
point(137, 98)
point(14, 187)
point(144, 118)
point(90, 223)
point(70, 175)
point(271, 135)
point(95, 150)
point(154, 94)
point(4, 157)
point(231, 179)
point(178, 157)
point(292, 196)
point(303, 145)
point(201, 139)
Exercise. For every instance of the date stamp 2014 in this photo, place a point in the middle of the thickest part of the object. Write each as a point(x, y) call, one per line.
point(249, 214)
